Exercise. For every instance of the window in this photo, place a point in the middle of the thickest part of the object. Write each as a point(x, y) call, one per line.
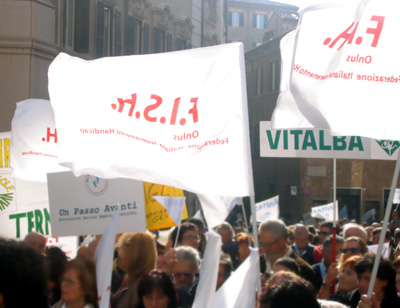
point(260, 21)
point(105, 30)
point(169, 41)
point(146, 31)
point(75, 25)
point(133, 36)
point(274, 77)
point(180, 44)
point(259, 81)
point(159, 40)
point(236, 19)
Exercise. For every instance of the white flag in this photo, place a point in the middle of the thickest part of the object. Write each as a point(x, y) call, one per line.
point(104, 261)
point(174, 207)
point(239, 291)
point(209, 272)
point(325, 211)
point(34, 141)
point(396, 197)
point(177, 118)
point(385, 250)
point(216, 208)
point(340, 73)
point(268, 209)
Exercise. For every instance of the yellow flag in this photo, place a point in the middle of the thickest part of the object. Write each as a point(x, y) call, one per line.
point(156, 215)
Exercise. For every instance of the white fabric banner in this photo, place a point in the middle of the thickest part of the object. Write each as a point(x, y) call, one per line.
point(340, 73)
point(174, 207)
point(239, 291)
point(104, 261)
point(325, 211)
point(209, 272)
point(396, 197)
point(177, 118)
point(268, 209)
point(216, 208)
point(385, 250)
point(34, 141)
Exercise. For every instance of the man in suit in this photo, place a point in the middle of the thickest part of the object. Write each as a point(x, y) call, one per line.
point(273, 245)
point(301, 245)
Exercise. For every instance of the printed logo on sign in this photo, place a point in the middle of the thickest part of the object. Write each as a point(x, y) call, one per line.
point(7, 194)
point(389, 146)
point(95, 185)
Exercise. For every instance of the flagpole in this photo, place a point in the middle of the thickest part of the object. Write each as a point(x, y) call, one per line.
point(245, 221)
point(334, 218)
point(384, 227)
point(255, 234)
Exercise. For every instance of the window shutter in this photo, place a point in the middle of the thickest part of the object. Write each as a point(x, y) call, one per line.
point(254, 20)
point(241, 20)
point(117, 47)
point(265, 21)
point(129, 36)
point(146, 31)
point(100, 30)
point(81, 26)
point(230, 19)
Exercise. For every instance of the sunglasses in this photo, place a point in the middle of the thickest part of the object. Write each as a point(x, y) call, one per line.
point(323, 233)
point(352, 250)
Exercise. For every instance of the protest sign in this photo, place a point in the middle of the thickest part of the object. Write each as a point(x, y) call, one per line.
point(319, 143)
point(28, 210)
point(185, 125)
point(325, 211)
point(268, 209)
point(34, 141)
point(157, 216)
point(85, 205)
point(342, 67)
point(5, 144)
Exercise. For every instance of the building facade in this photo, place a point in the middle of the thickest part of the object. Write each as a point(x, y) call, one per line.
point(33, 32)
point(252, 21)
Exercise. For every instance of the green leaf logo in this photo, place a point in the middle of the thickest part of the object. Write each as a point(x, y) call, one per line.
point(389, 146)
point(5, 200)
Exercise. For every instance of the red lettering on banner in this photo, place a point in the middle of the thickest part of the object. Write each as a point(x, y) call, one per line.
point(131, 101)
point(153, 107)
point(348, 34)
point(50, 135)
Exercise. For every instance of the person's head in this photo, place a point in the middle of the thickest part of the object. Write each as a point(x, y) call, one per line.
point(325, 230)
point(238, 227)
point(290, 239)
point(396, 266)
point(353, 246)
point(224, 270)
point(55, 264)
point(244, 250)
point(376, 233)
point(156, 290)
point(397, 236)
point(273, 238)
point(188, 235)
point(36, 241)
point(92, 246)
point(287, 290)
point(385, 284)
point(369, 230)
point(137, 254)
point(328, 249)
point(186, 267)
point(348, 275)
point(352, 229)
point(226, 232)
point(22, 276)
point(79, 282)
point(286, 264)
point(301, 235)
point(199, 223)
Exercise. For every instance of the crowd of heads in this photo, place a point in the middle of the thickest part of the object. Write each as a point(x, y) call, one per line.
point(300, 266)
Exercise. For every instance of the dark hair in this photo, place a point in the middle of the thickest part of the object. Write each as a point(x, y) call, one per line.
point(86, 269)
point(157, 279)
point(186, 226)
point(287, 290)
point(329, 241)
point(22, 276)
point(55, 265)
point(289, 263)
point(196, 221)
point(326, 224)
point(226, 261)
point(385, 272)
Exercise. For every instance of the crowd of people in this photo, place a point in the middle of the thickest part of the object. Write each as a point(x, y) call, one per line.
point(300, 266)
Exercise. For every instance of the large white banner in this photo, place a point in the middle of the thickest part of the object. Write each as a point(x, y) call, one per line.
point(34, 141)
point(85, 205)
point(319, 143)
point(341, 73)
point(176, 118)
point(268, 209)
point(325, 211)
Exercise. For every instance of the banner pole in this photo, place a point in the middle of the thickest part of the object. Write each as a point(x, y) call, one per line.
point(335, 206)
point(384, 227)
point(255, 236)
point(245, 221)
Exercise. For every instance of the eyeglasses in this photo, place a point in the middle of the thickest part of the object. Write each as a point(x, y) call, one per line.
point(352, 250)
point(191, 237)
point(323, 233)
point(268, 245)
point(186, 275)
